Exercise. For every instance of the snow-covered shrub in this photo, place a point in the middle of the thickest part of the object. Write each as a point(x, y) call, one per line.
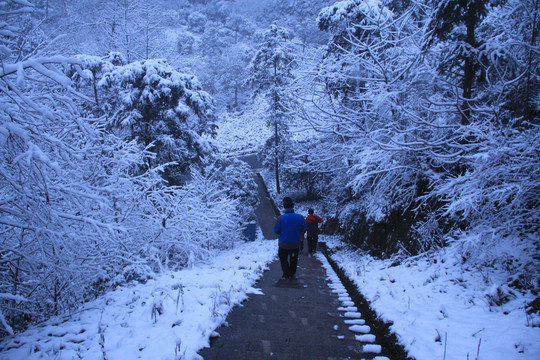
point(214, 220)
point(185, 43)
point(499, 295)
point(190, 221)
point(237, 180)
point(197, 22)
point(140, 273)
point(79, 202)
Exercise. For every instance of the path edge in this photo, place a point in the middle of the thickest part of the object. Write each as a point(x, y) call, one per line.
point(384, 336)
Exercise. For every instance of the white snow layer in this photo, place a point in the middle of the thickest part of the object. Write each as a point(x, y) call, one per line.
point(440, 308)
point(172, 315)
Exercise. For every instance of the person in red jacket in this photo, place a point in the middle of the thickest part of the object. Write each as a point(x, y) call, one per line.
point(312, 222)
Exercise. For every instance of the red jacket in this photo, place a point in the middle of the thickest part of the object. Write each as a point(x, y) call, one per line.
point(312, 222)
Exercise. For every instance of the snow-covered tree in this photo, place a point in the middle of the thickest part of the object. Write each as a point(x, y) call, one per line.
point(299, 16)
point(235, 63)
point(82, 208)
point(457, 21)
point(300, 170)
point(271, 72)
point(164, 109)
point(364, 78)
point(66, 186)
point(412, 143)
point(197, 22)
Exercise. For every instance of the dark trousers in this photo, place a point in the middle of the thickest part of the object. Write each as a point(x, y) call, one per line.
point(289, 261)
point(312, 243)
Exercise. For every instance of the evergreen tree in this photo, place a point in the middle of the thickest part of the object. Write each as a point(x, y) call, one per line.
point(457, 21)
point(271, 73)
point(163, 109)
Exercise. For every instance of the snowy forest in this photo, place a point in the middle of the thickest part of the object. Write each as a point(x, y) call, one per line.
point(413, 124)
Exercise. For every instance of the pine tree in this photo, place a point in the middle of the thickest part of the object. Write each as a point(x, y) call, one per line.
point(271, 73)
point(445, 25)
point(163, 109)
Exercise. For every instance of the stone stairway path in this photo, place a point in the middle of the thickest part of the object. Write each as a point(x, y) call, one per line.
point(311, 317)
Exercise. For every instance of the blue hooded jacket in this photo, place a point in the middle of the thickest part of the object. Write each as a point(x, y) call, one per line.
point(290, 228)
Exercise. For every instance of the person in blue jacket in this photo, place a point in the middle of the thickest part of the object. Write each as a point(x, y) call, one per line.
point(289, 227)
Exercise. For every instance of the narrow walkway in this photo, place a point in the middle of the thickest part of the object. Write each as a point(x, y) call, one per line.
point(266, 215)
point(307, 318)
point(265, 212)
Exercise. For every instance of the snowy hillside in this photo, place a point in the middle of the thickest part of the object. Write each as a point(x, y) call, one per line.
point(412, 127)
point(442, 308)
point(170, 315)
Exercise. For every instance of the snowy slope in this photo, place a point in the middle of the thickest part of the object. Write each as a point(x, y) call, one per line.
point(173, 314)
point(442, 308)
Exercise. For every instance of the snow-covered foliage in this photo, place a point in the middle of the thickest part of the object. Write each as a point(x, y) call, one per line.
point(411, 144)
point(215, 215)
point(161, 108)
point(343, 13)
point(184, 223)
point(270, 74)
point(272, 64)
point(58, 215)
point(235, 138)
point(153, 103)
point(81, 207)
point(237, 178)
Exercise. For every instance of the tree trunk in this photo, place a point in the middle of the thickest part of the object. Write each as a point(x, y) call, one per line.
point(147, 40)
point(278, 189)
point(527, 115)
point(468, 68)
point(95, 90)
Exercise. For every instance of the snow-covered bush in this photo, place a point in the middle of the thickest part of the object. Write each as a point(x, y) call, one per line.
point(429, 136)
point(185, 43)
point(190, 221)
point(139, 273)
point(237, 178)
point(81, 205)
point(197, 22)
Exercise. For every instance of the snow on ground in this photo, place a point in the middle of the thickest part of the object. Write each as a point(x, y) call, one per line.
point(352, 318)
point(440, 308)
point(173, 314)
point(246, 131)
